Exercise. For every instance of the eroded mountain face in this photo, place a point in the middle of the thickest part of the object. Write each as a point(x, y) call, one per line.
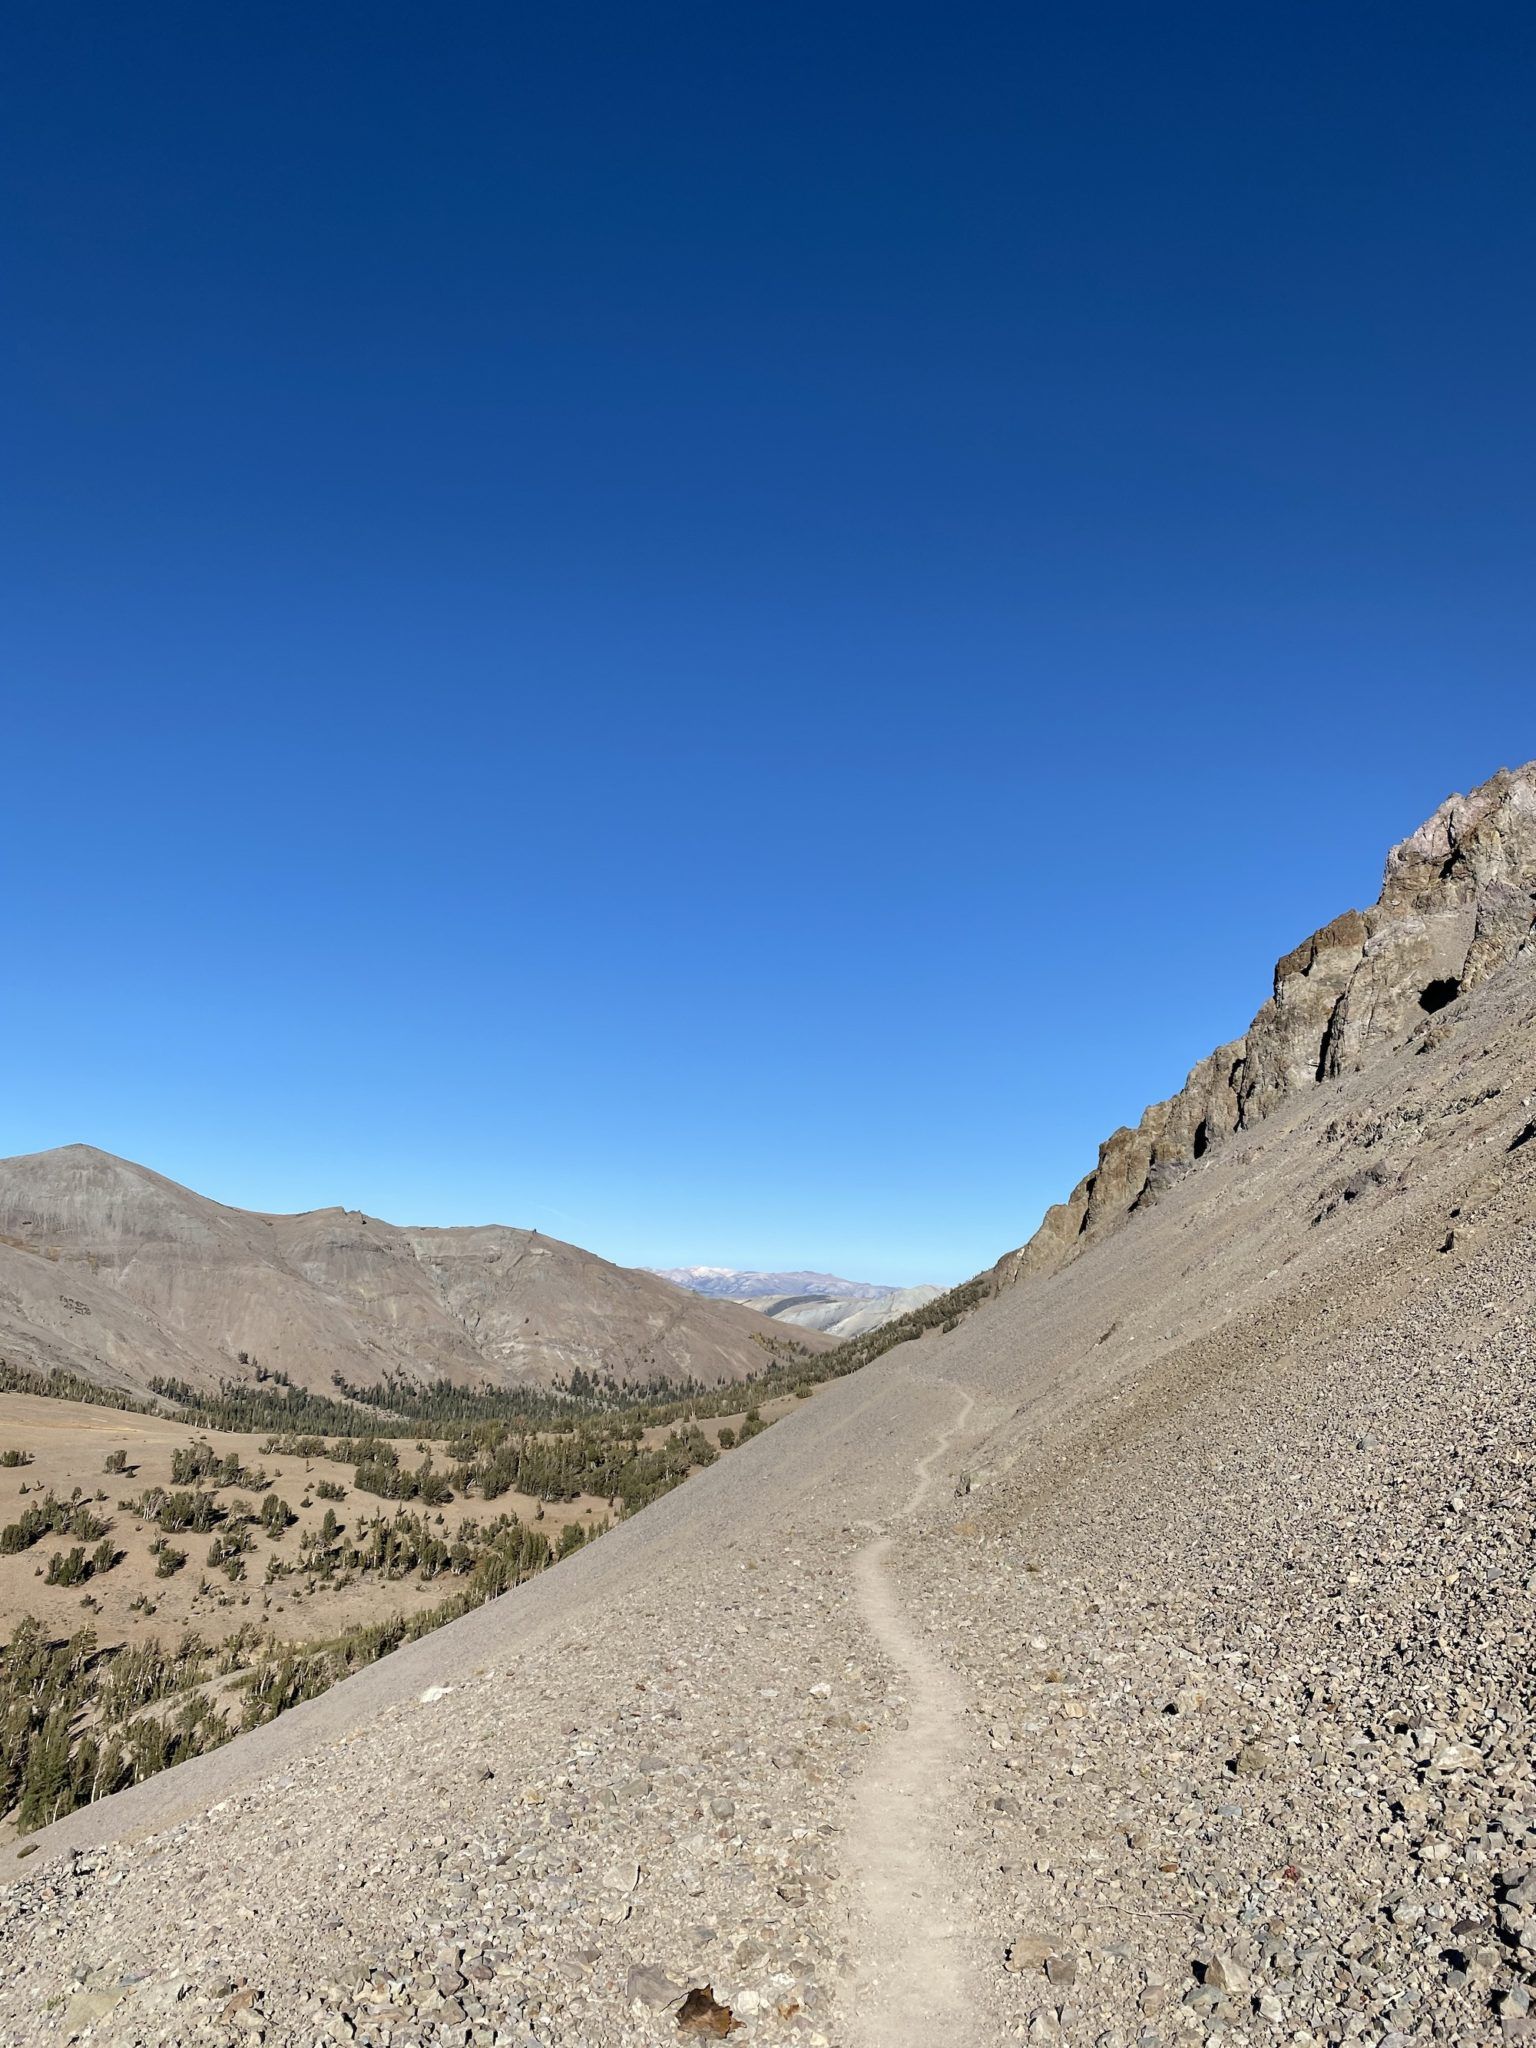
point(1457, 903)
point(120, 1275)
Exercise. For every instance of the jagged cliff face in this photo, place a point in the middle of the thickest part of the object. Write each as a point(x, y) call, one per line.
point(1457, 904)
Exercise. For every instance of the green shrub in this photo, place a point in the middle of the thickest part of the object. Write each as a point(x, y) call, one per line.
point(227, 1551)
point(196, 1511)
point(51, 1517)
point(68, 1567)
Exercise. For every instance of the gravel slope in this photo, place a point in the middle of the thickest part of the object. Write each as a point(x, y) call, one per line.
point(1225, 1591)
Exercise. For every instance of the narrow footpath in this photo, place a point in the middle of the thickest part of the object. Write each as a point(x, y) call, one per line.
point(909, 1990)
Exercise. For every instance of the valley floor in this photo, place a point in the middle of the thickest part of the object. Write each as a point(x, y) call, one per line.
point(67, 1444)
point(1149, 1661)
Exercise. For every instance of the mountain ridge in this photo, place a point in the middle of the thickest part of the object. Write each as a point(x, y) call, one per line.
point(1457, 903)
point(119, 1274)
point(805, 1301)
point(741, 1283)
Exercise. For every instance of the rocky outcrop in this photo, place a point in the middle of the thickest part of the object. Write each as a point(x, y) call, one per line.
point(1457, 904)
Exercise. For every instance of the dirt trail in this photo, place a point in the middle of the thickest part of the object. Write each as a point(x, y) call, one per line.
point(911, 1988)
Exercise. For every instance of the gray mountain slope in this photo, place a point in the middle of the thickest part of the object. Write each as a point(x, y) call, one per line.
point(118, 1274)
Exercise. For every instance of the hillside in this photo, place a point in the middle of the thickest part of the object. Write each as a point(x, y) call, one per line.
point(1147, 1659)
point(114, 1273)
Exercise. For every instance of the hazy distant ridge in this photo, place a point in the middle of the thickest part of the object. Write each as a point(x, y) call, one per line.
point(731, 1283)
point(811, 1301)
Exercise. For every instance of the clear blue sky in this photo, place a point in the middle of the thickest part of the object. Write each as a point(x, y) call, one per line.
point(731, 631)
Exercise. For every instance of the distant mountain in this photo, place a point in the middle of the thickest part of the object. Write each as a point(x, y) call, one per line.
point(811, 1301)
point(120, 1275)
point(842, 1319)
point(727, 1283)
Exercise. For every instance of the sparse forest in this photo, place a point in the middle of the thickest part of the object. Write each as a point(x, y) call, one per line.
point(81, 1718)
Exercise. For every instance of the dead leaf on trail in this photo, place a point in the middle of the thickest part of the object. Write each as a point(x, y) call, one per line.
point(700, 2014)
